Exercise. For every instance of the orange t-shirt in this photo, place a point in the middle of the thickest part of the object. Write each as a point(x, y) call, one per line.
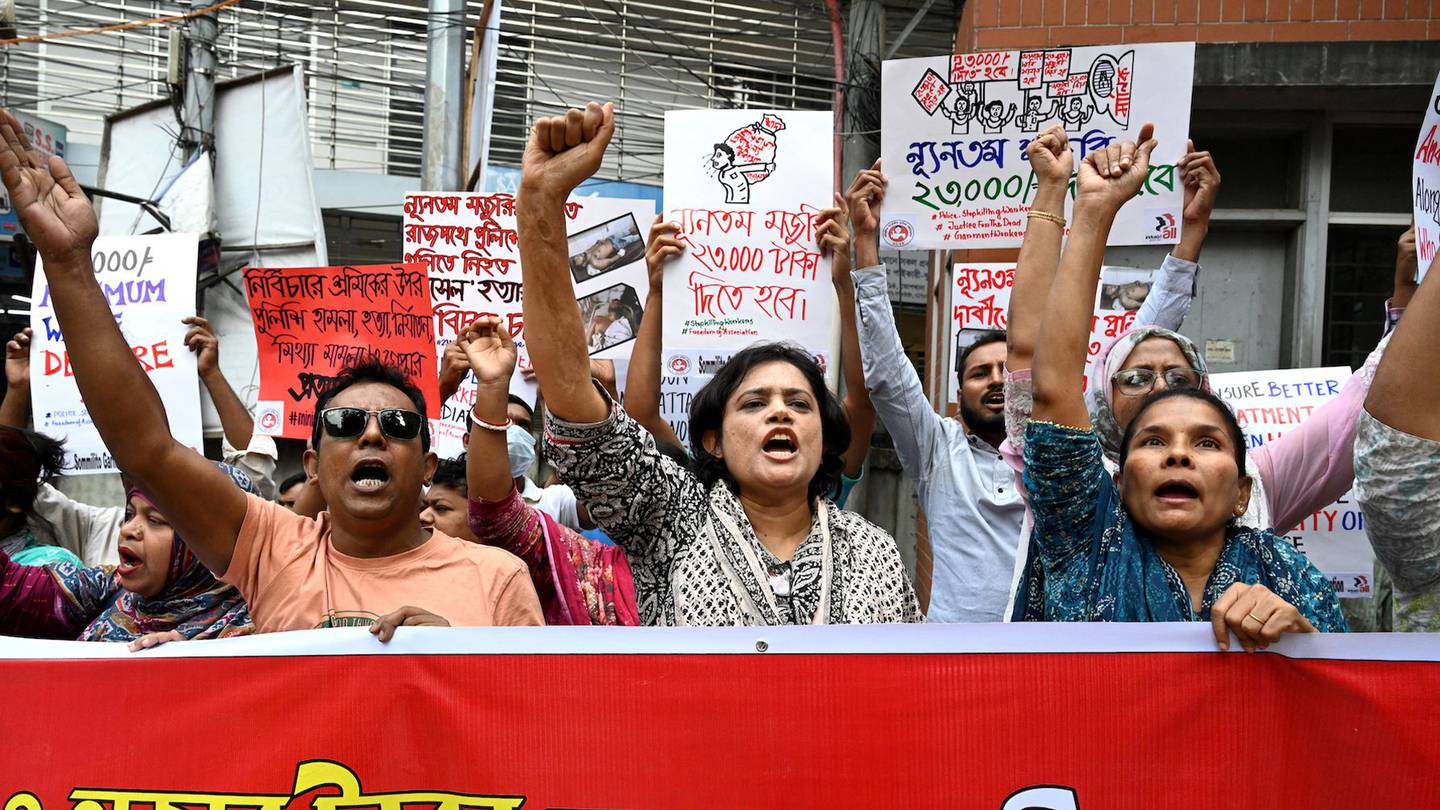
point(294, 579)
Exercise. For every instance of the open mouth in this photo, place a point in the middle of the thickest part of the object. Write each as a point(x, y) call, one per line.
point(994, 399)
point(1177, 492)
point(780, 445)
point(130, 561)
point(370, 475)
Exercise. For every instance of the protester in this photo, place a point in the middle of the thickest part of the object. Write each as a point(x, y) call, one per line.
point(259, 455)
point(642, 386)
point(290, 490)
point(444, 502)
point(642, 379)
point(159, 592)
point(29, 461)
point(1158, 541)
point(579, 580)
point(367, 560)
point(1397, 455)
point(748, 537)
point(93, 532)
point(1291, 476)
point(554, 499)
point(973, 506)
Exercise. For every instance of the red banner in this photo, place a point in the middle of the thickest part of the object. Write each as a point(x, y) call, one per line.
point(311, 322)
point(946, 717)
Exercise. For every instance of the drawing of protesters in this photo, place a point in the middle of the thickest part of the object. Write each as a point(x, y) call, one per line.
point(964, 109)
point(1030, 119)
point(1076, 112)
point(994, 117)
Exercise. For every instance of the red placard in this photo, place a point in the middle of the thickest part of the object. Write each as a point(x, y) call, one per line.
point(310, 322)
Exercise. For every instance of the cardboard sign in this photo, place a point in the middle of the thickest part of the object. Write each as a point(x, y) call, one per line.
point(1427, 184)
point(1050, 717)
point(311, 322)
point(954, 131)
point(471, 248)
point(149, 282)
point(980, 302)
point(1269, 404)
point(745, 187)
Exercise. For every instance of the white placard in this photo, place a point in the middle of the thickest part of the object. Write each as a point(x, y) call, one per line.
point(745, 186)
point(954, 130)
point(1269, 404)
point(980, 302)
point(1427, 184)
point(470, 244)
point(150, 284)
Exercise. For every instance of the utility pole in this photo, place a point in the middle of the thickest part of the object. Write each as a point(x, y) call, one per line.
point(864, 48)
point(440, 168)
point(197, 125)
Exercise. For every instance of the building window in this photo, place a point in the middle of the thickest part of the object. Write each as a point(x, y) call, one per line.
point(1360, 268)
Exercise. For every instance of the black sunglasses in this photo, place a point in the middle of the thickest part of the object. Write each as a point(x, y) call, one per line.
point(347, 423)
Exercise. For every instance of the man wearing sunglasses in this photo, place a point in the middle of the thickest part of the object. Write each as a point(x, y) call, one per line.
point(367, 561)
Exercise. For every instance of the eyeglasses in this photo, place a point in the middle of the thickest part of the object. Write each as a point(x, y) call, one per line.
point(1137, 382)
point(347, 423)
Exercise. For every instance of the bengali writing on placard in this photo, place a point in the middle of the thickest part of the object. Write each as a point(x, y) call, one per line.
point(312, 322)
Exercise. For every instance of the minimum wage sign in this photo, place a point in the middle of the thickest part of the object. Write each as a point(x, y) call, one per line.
point(149, 282)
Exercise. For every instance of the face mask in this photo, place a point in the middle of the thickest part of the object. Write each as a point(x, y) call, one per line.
point(521, 446)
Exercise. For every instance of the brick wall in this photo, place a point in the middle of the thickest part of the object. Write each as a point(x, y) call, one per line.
point(1009, 24)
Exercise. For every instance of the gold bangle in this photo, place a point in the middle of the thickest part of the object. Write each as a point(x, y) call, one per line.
point(1046, 215)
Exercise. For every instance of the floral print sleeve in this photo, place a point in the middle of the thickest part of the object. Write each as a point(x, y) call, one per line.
point(644, 501)
point(1395, 475)
point(1065, 475)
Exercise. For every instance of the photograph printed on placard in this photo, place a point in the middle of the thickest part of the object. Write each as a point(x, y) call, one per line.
point(611, 316)
point(609, 246)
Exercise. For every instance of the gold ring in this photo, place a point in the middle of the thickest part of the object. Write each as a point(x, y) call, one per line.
point(1258, 619)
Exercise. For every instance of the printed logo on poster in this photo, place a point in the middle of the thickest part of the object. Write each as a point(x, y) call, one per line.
point(270, 417)
point(1165, 228)
point(680, 364)
point(899, 232)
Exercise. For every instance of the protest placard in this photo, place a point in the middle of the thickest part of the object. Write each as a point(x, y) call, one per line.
point(470, 246)
point(1269, 404)
point(745, 187)
point(980, 302)
point(1427, 184)
point(149, 282)
point(310, 322)
point(954, 130)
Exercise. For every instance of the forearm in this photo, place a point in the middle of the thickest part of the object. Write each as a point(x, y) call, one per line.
point(1406, 392)
point(555, 335)
point(1065, 334)
point(235, 418)
point(487, 460)
point(15, 408)
point(1034, 273)
point(1192, 238)
point(124, 405)
point(858, 407)
point(642, 378)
